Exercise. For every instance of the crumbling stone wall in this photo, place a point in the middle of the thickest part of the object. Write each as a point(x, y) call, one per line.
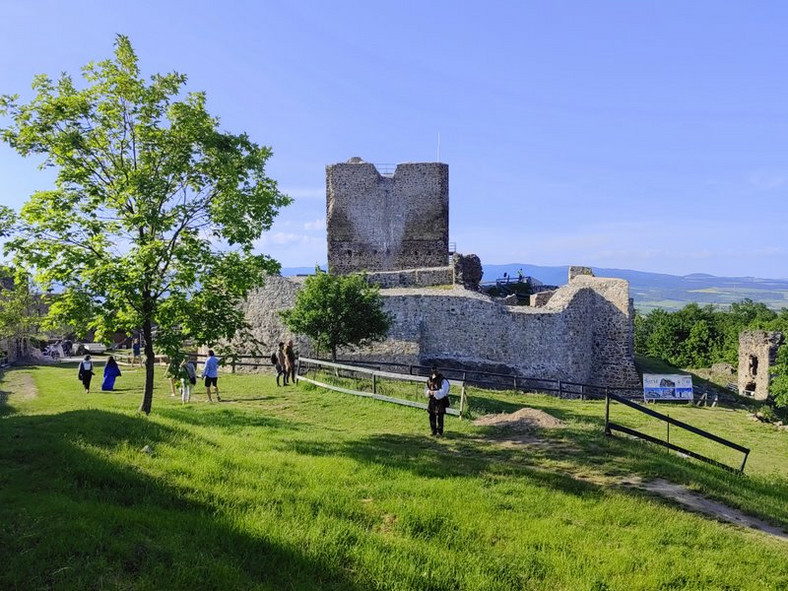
point(583, 334)
point(757, 353)
point(387, 223)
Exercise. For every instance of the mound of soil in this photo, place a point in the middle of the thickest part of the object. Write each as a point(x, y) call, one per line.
point(523, 421)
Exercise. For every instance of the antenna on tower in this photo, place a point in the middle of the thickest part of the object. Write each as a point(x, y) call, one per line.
point(439, 146)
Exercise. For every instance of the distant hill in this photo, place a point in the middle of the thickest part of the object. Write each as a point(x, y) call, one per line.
point(650, 290)
point(671, 292)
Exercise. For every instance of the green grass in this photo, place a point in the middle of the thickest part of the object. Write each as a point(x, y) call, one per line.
point(299, 488)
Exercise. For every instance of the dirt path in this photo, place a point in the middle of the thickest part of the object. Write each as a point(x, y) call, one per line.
point(522, 428)
point(696, 502)
point(16, 385)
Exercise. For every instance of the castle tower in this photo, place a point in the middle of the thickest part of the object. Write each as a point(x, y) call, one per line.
point(387, 222)
point(757, 353)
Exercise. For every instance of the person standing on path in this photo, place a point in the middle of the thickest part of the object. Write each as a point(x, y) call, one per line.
point(437, 392)
point(281, 364)
point(290, 369)
point(111, 371)
point(86, 372)
point(210, 373)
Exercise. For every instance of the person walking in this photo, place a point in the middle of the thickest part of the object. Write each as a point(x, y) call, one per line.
point(290, 369)
point(173, 371)
point(111, 372)
point(136, 354)
point(188, 375)
point(281, 363)
point(210, 373)
point(86, 372)
point(437, 392)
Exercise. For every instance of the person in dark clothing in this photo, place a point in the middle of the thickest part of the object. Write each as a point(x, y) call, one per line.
point(86, 372)
point(437, 393)
point(281, 364)
point(290, 362)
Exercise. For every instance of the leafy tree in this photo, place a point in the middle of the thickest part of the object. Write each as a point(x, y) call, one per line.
point(20, 307)
point(337, 311)
point(154, 213)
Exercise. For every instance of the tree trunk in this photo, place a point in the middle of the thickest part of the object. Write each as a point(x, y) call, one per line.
point(150, 364)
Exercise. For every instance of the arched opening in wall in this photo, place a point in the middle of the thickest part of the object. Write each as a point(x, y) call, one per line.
point(349, 252)
point(749, 389)
point(753, 365)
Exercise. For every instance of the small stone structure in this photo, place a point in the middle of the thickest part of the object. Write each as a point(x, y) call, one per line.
point(396, 230)
point(757, 353)
point(387, 223)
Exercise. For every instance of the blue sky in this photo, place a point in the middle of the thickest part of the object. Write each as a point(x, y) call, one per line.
point(648, 135)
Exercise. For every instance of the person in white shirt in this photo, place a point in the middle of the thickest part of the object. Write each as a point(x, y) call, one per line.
point(437, 393)
point(86, 372)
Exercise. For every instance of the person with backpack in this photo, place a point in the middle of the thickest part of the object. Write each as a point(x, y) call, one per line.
point(86, 372)
point(188, 374)
point(437, 393)
point(279, 356)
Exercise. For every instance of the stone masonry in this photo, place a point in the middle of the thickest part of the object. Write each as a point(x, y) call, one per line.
point(387, 223)
point(396, 229)
point(583, 334)
point(757, 353)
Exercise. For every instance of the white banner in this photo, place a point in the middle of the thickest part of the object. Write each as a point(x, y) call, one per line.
point(667, 386)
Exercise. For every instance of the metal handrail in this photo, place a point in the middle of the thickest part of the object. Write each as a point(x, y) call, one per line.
point(611, 426)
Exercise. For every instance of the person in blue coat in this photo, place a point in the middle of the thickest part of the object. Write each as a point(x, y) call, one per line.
point(111, 371)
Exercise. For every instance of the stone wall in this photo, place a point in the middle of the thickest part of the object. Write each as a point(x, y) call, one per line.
point(387, 223)
point(582, 334)
point(413, 277)
point(757, 353)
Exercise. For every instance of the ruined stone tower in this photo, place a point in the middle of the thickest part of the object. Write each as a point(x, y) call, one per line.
point(757, 353)
point(387, 222)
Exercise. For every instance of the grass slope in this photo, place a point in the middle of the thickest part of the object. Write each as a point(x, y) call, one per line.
point(297, 488)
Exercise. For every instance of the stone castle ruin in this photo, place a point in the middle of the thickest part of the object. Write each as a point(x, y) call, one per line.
point(387, 223)
point(395, 228)
point(757, 353)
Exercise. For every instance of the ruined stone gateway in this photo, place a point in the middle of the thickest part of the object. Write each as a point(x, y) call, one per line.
point(757, 353)
point(395, 227)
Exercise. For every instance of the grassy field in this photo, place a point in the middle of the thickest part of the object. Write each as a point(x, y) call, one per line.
point(298, 488)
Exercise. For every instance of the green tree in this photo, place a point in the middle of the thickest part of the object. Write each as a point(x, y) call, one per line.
point(20, 307)
point(154, 213)
point(337, 311)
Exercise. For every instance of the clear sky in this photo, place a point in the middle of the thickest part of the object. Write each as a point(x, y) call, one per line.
point(647, 135)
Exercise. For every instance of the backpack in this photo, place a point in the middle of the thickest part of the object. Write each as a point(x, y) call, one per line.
point(274, 359)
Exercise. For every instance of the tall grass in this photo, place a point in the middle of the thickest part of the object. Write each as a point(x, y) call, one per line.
point(299, 488)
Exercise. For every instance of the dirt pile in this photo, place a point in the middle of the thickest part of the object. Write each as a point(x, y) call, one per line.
point(525, 420)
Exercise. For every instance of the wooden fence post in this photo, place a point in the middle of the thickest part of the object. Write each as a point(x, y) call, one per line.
point(607, 411)
point(463, 399)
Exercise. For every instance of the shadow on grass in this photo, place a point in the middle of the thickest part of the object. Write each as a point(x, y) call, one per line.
point(71, 518)
point(454, 456)
point(229, 419)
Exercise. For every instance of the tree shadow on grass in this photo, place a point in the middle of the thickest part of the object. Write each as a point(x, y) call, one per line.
point(229, 419)
point(454, 456)
point(72, 518)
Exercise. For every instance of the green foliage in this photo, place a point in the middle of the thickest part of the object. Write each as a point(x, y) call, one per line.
point(698, 336)
point(154, 213)
point(338, 311)
point(778, 387)
point(20, 305)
